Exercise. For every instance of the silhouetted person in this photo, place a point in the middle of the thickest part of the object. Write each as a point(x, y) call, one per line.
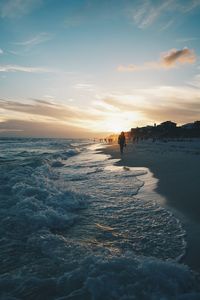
point(122, 142)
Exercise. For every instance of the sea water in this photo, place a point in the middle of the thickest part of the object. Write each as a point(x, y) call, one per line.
point(75, 226)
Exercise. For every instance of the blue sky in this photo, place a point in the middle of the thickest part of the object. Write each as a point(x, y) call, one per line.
point(80, 68)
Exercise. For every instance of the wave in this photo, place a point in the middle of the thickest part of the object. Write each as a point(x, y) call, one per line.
point(124, 278)
point(51, 247)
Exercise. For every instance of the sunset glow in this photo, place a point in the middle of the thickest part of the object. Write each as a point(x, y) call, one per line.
point(82, 67)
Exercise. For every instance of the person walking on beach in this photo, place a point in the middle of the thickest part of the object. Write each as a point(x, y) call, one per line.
point(122, 142)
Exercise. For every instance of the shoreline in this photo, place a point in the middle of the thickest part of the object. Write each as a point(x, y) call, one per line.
point(177, 172)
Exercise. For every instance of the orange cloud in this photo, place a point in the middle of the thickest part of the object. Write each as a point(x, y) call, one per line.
point(175, 56)
point(170, 59)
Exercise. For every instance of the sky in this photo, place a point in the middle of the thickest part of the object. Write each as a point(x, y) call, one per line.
point(86, 68)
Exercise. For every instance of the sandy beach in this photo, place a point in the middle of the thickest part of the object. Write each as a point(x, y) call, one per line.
point(176, 165)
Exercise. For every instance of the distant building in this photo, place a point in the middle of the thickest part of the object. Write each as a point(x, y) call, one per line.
point(197, 125)
point(188, 126)
point(167, 125)
point(167, 129)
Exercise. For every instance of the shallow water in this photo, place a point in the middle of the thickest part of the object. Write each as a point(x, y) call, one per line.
point(74, 226)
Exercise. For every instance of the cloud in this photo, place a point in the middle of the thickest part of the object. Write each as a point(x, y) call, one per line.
point(179, 112)
point(167, 25)
point(1, 51)
point(195, 82)
point(84, 86)
point(133, 68)
point(17, 8)
point(42, 129)
point(187, 39)
point(17, 68)
point(47, 110)
point(25, 46)
point(170, 59)
point(35, 40)
point(110, 112)
point(188, 6)
point(175, 56)
point(120, 104)
point(181, 104)
point(147, 12)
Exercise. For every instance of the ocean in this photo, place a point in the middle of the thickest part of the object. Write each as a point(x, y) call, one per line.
point(76, 226)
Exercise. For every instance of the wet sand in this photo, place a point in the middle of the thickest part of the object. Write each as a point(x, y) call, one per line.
point(176, 165)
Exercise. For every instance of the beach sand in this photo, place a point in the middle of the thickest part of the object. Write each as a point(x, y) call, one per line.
point(176, 165)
